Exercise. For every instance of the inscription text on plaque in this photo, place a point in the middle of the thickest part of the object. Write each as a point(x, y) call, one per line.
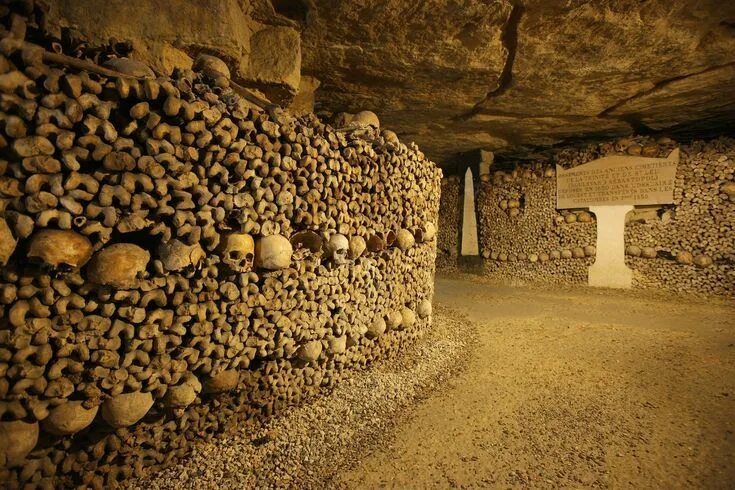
point(610, 187)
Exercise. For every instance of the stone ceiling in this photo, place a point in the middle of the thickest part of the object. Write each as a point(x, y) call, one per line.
point(458, 75)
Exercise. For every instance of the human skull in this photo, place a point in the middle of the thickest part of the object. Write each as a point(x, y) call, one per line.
point(342, 119)
point(650, 150)
point(60, 249)
point(69, 418)
point(307, 240)
point(728, 189)
point(310, 351)
point(649, 253)
point(126, 409)
point(390, 137)
point(183, 394)
point(405, 239)
point(238, 251)
point(211, 66)
point(357, 246)
point(408, 318)
point(393, 319)
point(338, 246)
point(703, 261)
point(221, 382)
point(376, 328)
point(428, 232)
point(176, 255)
point(424, 308)
point(17, 439)
point(622, 144)
point(366, 118)
point(118, 265)
point(337, 345)
point(273, 252)
point(7, 242)
point(584, 217)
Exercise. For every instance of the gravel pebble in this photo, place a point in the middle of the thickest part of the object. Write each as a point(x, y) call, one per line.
point(307, 446)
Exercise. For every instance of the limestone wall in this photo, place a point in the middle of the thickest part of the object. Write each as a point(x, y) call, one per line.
point(685, 247)
point(262, 49)
point(174, 262)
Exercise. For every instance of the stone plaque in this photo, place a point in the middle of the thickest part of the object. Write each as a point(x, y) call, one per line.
point(610, 187)
point(617, 180)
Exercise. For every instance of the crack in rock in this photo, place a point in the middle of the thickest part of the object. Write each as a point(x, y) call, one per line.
point(509, 40)
point(657, 86)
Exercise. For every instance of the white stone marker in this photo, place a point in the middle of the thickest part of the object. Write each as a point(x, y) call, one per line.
point(470, 244)
point(610, 187)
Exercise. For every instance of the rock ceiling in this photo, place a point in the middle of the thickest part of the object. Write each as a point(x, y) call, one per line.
point(458, 75)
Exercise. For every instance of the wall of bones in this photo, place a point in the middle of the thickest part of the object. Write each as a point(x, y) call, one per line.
point(448, 235)
point(686, 247)
point(174, 260)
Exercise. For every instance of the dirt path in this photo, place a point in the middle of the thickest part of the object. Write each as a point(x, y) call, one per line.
point(574, 389)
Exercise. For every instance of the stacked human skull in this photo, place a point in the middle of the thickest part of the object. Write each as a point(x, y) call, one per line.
point(174, 260)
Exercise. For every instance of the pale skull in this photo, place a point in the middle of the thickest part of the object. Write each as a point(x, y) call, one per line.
point(622, 144)
point(365, 119)
point(211, 66)
point(339, 247)
point(238, 251)
point(390, 137)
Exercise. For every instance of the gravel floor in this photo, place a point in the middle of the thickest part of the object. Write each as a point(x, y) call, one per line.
point(307, 447)
point(573, 388)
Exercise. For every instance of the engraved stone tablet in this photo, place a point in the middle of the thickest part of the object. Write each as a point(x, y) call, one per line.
point(610, 187)
point(617, 180)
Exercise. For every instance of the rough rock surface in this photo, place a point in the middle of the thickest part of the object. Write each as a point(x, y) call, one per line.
point(502, 75)
point(498, 74)
point(167, 34)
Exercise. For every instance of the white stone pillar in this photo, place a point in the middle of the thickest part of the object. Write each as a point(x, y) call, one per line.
point(470, 244)
point(609, 269)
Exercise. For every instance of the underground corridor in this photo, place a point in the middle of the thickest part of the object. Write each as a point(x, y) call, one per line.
point(319, 244)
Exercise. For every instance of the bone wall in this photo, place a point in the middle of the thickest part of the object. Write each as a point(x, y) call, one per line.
point(686, 247)
point(174, 262)
point(450, 224)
